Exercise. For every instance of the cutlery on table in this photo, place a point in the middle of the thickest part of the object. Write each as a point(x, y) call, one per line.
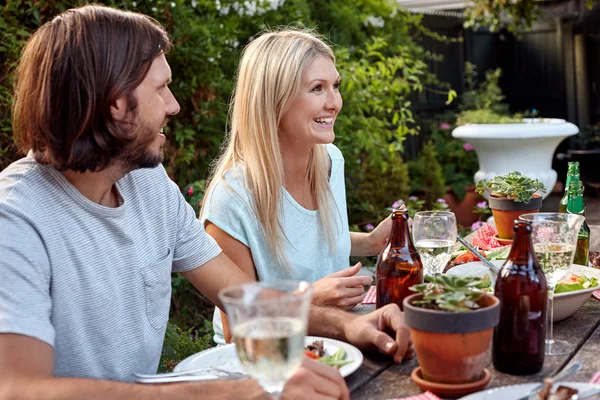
point(192, 378)
point(190, 375)
point(562, 375)
point(585, 395)
point(484, 260)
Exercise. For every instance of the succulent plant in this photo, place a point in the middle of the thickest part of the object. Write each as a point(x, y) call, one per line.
point(513, 186)
point(451, 293)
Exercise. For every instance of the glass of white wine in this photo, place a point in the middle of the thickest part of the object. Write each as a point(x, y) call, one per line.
point(268, 322)
point(554, 237)
point(434, 235)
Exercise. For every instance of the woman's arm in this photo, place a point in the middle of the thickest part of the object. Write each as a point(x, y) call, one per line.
point(239, 254)
point(371, 244)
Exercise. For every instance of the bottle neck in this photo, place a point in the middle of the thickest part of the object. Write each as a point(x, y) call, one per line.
point(400, 235)
point(522, 246)
point(576, 203)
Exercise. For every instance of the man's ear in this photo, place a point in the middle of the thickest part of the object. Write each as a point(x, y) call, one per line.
point(118, 109)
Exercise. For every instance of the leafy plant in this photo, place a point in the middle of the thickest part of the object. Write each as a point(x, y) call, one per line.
point(516, 15)
point(512, 186)
point(180, 344)
point(451, 293)
point(588, 138)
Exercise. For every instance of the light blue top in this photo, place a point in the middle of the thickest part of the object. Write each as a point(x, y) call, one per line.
point(306, 249)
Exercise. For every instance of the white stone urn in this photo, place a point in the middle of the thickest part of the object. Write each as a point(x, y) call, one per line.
point(527, 147)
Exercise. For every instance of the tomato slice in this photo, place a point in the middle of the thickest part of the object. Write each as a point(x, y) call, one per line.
point(310, 354)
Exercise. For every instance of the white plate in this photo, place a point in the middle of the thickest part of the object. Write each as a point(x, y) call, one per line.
point(226, 358)
point(518, 391)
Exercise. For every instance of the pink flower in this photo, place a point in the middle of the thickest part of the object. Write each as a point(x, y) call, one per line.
point(441, 201)
point(477, 225)
point(467, 146)
point(190, 191)
point(200, 203)
point(482, 204)
point(369, 227)
point(413, 198)
point(445, 126)
point(398, 203)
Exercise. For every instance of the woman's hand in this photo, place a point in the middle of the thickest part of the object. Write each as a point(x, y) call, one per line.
point(341, 289)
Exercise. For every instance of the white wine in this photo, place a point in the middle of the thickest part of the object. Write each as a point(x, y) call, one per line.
point(271, 349)
point(555, 260)
point(435, 254)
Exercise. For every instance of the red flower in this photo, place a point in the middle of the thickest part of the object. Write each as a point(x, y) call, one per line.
point(191, 191)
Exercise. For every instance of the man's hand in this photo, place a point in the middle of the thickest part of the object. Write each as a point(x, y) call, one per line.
point(369, 331)
point(316, 381)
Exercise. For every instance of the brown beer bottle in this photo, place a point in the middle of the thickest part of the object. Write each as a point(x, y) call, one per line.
point(399, 265)
point(519, 339)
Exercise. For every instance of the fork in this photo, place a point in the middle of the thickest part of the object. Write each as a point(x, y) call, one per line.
point(208, 371)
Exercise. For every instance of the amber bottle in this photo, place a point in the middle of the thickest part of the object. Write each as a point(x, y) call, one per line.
point(519, 339)
point(399, 265)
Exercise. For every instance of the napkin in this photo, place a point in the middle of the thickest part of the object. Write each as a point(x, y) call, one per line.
point(485, 237)
point(423, 396)
point(596, 294)
point(596, 378)
point(370, 297)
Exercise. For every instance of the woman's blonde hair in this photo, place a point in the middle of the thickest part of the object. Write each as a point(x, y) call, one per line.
point(268, 80)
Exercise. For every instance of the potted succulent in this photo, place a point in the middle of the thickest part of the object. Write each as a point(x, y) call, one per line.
point(511, 195)
point(451, 319)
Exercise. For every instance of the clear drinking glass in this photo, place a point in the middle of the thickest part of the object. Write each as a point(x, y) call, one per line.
point(554, 237)
point(269, 322)
point(434, 235)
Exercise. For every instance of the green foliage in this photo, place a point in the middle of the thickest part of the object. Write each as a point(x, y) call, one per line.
point(182, 343)
point(513, 186)
point(515, 15)
point(451, 293)
point(432, 175)
point(457, 158)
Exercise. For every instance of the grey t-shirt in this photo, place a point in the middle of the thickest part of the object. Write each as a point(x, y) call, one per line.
point(94, 282)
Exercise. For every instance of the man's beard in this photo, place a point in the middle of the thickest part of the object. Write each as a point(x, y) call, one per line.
point(140, 153)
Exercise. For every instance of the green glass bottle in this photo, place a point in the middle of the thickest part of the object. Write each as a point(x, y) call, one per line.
point(576, 205)
point(573, 172)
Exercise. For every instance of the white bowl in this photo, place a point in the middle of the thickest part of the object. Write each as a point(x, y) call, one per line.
point(565, 304)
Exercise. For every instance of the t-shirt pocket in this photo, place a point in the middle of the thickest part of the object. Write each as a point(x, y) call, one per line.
point(157, 288)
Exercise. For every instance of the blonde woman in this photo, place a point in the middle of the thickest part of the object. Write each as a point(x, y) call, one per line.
point(276, 202)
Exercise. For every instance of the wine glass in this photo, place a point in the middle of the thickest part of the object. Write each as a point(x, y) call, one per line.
point(554, 237)
point(269, 322)
point(434, 235)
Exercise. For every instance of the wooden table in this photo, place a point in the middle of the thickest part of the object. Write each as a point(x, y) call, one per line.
point(379, 378)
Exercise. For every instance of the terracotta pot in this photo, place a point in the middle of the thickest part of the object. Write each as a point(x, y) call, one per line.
point(463, 209)
point(507, 211)
point(452, 347)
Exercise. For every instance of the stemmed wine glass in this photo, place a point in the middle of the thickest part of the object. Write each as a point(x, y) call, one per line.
point(269, 322)
point(554, 237)
point(434, 235)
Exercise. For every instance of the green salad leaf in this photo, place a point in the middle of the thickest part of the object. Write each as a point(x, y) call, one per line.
point(336, 360)
point(582, 282)
point(499, 254)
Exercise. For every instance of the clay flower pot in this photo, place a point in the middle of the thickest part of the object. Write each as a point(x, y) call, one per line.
point(464, 209)
point(507, 211)
point(452, 347)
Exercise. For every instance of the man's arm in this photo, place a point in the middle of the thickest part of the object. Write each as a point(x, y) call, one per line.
point(367, 331)
point(26, 367)
point(214, 275)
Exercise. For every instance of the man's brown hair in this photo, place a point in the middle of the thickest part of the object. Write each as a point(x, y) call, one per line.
point(71, 71)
